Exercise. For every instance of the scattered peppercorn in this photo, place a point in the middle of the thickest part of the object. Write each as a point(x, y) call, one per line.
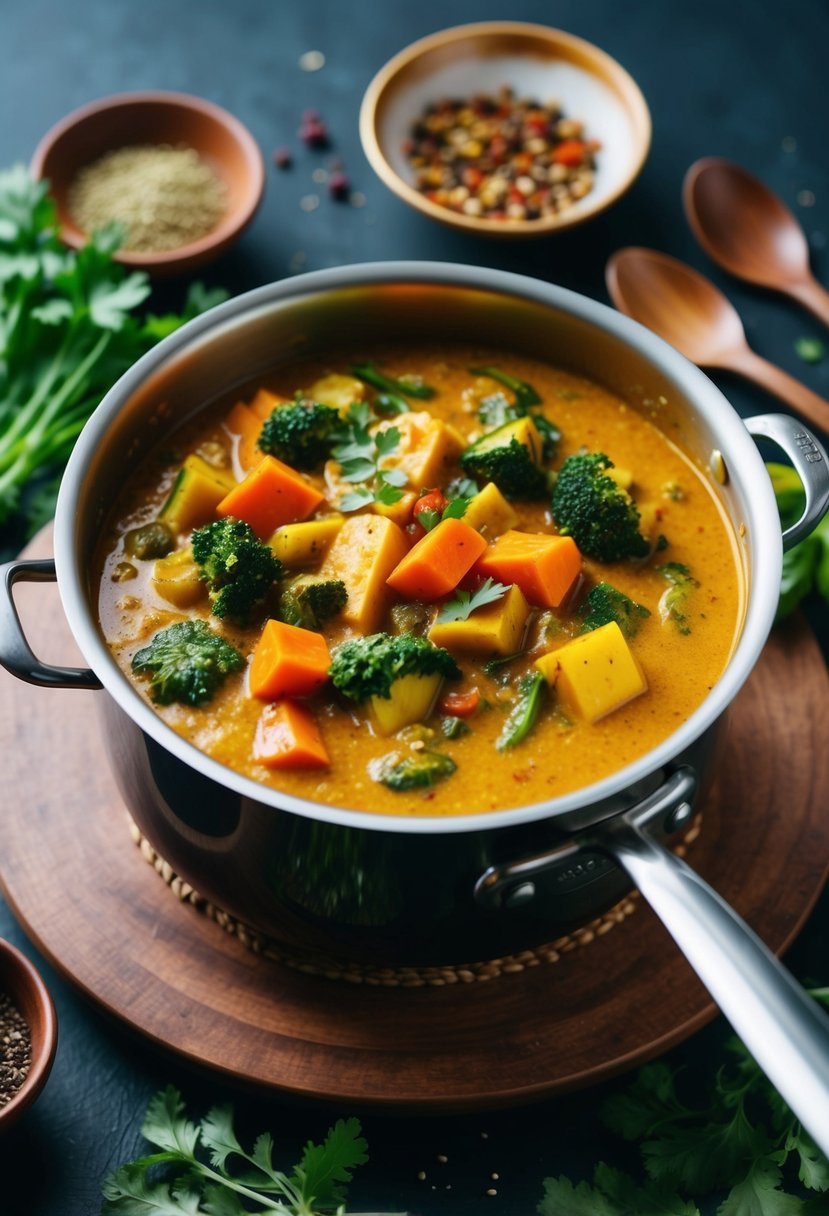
point(338, 186)
point(15, 1049)
point(499, 157)
point(313, 130)
point(282, 158)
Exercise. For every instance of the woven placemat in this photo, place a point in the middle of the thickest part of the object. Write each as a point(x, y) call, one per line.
point(397, 977)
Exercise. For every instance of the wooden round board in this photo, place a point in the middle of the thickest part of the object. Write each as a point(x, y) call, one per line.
point(102, 915)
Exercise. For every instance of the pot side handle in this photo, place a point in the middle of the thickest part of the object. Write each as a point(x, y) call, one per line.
point(811, 463)
point(781, 1025)
point(15, 653)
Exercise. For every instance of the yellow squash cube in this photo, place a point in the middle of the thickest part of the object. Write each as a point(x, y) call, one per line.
point(364, 552)
point(411, 700)
point(427, 450)
point(594, 674)
point(494, 629)
point(305, 544)
point(176, 579)
point(489, 512)
point(196, 493)
point(337, 390)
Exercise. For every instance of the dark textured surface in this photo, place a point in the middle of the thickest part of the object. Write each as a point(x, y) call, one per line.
point(732, 80)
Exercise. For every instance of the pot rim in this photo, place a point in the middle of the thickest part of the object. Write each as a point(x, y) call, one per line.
point(743, 459)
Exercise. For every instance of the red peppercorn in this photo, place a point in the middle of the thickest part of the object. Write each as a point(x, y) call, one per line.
point(282, 158)
point(338, 186)
point(314, 133)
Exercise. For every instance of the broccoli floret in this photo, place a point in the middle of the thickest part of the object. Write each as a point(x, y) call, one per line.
point(309, 601)
point(675, 597)
point(510, 457)
point(600, 516)
point(301, 434)
point(186, 662)
point(367, 667)
point(605, 604)
point(237, 566)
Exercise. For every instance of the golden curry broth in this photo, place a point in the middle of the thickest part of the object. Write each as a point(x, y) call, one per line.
point(680, 669)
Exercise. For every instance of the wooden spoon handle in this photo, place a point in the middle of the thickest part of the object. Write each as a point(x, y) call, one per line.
point(808, 404)
point(811, 295)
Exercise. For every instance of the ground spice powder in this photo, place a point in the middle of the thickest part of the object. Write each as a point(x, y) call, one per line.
point(163, 197)
point(15, 1049)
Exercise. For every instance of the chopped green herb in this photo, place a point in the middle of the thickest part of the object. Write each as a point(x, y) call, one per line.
point(454, 728)
point(605, 604)
point(464, 603)
point(524, 713)
point(810, 350)
point(525, 394)
point(672, 605)
point(418, 770)
point(408, 386)
point(493, 666)
point(359, 453)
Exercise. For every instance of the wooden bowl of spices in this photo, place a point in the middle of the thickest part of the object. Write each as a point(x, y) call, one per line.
point(28, 1034)
point(505, 128)
point(182, 176)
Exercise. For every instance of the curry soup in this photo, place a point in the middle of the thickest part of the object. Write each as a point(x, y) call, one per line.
point(551, 684)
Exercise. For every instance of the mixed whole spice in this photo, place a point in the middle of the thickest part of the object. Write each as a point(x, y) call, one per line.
point(15, 1049)
point(501, 157)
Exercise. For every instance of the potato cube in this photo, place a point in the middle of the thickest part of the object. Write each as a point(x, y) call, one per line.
point(411, 700)
point(494, 629)
point(337, 390)
point(305, 544)
point(594, 674)
point(400, 512)
point(176, 579)
point(427, 450)
point(363, 554)
point(489, 512)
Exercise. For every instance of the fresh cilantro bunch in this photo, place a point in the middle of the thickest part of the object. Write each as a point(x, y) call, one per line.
point(739, 1141)
point(67, 332)
point(203, 1168)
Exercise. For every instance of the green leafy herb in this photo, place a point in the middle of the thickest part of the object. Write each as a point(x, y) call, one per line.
point(674, 600)
point(524, 714)
point(418, 770)
point(805, 565)
point(454, 728)
point(186, 662)
point(810, 350)
point(461, 487)
point(464, 603)
point(737, 1137)
point(525, 394)
point(393, 393)
point(605, 603)
point(359, 455)
point(203, 1168)
point(67, 332)
point(493, 666)
point(455, 509)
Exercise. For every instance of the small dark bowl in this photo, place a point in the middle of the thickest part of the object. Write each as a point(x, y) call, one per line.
point(22, 983)
point(156, 118)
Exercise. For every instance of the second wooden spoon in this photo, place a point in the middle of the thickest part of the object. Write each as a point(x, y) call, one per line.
point(750, 232)
point(688, 311)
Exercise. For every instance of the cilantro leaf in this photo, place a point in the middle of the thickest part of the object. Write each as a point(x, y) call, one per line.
point(464, 603)
point(129, 1192)
point(759, 1194)
point(359, 454)
point(612, 1194)
point(217, 1135)
point(325, 1169)
point(166, 1126)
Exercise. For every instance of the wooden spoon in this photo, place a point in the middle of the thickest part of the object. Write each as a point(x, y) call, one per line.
point(688, 311)
point(750, 232)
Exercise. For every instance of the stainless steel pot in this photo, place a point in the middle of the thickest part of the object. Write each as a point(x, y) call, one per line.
point(436, 890)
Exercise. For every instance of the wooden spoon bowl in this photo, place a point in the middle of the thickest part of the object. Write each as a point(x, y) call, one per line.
point(21, 982)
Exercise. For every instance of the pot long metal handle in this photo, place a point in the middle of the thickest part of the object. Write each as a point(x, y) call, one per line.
point(15, 653)
point(780, 1024)
point(810, 460)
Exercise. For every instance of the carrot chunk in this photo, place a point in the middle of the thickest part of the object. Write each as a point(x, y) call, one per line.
point(265, 402)
point(544, 567)
point(288, 662)
point(438, 562)
point(272, 494)
point(243, 427)
point(287, 736)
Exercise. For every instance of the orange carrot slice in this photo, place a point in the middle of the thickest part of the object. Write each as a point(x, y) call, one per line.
point(288, 662)
point(265, 402)
point(287, 736)
point(438, 562)
point(243, 426)
point(544, 567)
point(272, 494)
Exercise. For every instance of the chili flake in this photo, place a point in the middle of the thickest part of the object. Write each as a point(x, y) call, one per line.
point(500, 157)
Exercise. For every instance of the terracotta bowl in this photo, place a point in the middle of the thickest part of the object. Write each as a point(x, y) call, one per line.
point(157, 118)
point(22, 983)
point(534, 60)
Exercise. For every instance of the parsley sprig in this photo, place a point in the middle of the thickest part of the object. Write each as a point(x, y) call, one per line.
point(359, 454)
point(464, 603)
point(178, 1181)
point(739, 1138)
